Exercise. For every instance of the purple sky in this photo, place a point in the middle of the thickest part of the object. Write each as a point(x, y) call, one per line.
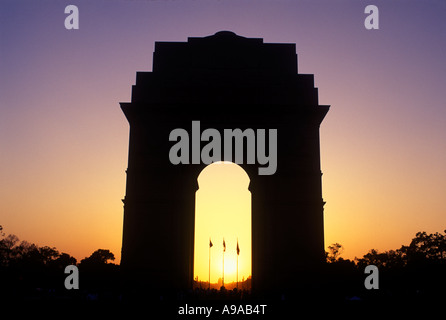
point(64, 139)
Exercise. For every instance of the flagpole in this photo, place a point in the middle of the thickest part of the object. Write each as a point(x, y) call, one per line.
point(237, 272)
point(209, 264)
point(224, 249)
point(210, 246)
point(223, 280)
point(237, 263)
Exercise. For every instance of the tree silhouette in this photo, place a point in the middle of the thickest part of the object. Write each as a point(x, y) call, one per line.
point(99, 257)
point(63, 260)
point(415, 271)
point(334, 251)
point(425, 246)
point(7, 252)
point(388, 259)
point(98, 273)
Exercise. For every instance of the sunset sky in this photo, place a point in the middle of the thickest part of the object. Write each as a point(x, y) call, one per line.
point(223, 211)
point(64, 138)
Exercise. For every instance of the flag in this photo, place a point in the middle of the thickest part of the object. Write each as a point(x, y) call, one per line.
point(238, 248)
point(224, 245)
point(210, 243)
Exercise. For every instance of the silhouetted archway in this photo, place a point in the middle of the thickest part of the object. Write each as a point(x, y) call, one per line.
point(222, 211)
point(224, 81)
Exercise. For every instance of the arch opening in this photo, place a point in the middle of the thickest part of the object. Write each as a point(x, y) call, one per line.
point(223, 214)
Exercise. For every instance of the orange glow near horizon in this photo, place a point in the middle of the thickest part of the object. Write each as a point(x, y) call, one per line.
point(222, 210)
point(64, 140)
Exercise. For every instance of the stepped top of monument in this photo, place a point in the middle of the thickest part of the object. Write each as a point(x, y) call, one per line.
point(225, 50)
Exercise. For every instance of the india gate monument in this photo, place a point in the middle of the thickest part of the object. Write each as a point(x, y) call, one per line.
point(224, 81)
